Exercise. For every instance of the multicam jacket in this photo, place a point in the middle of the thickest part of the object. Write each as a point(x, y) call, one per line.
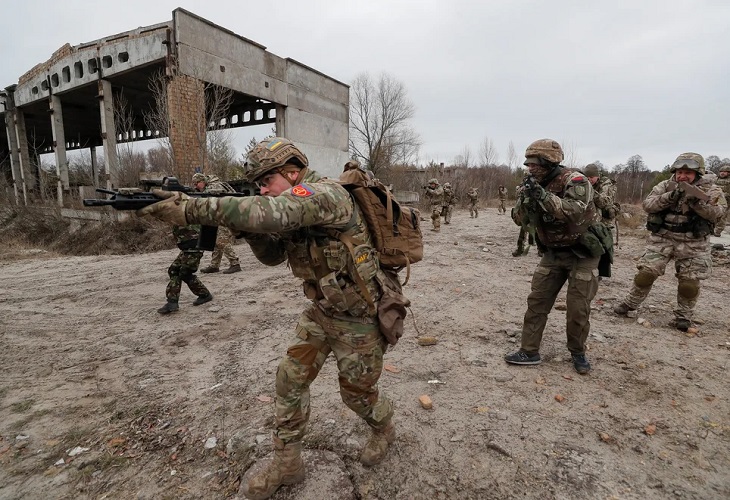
point(724, 184)
point(297, 227)
point(435, 196)
point(680, 220)
point(473, 195)
point(604, 197)
point(565, 214)
point(214, 185)
point(449, 197)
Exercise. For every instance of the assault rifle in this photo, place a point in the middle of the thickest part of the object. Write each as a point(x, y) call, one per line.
point(136, 198)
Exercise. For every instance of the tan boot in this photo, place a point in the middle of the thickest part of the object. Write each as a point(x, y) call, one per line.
point(286, 468)
point(377, 447)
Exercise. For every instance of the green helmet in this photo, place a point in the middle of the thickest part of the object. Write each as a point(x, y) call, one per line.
point(547, 149)
point(725, 167)
point(434, 181)
point(592, 170)
point(271, 154)
point(198, 177)
point(691, 161)
point(447, 184)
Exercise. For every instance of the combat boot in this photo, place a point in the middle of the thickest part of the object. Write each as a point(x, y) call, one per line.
point(202, 299)
point(233, 269)
point(518, 252)
point(622, 309)
point(168, 308)
point(682, 324)
point(286, 468)
point(209, 269)
point(377, 447)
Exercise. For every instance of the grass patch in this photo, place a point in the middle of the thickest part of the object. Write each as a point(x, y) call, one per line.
point(20, 424)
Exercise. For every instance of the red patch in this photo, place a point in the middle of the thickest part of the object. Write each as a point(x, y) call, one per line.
point(578, 178)
point(301, 190)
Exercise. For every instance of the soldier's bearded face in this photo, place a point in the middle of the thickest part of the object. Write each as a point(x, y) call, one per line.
point(685, 175)
point(723, 175)
point(537, 171)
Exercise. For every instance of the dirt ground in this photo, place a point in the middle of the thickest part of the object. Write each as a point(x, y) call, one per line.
point(100, 397)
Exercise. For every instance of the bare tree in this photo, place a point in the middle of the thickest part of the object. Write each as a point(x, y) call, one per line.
point(463, 159)
point(570, 156)
point(488, 154)
point(131, 163)
point(380, 132)
point(512, 159)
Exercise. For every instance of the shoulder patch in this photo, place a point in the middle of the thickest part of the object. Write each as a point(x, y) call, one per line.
point(302, 191)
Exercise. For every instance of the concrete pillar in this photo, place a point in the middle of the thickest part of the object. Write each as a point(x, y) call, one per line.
point(94, 166)
point(281, 121)
point(59, 146)
point(108, 135)
point(26, 165)
point(187, 125)
point(13, 148)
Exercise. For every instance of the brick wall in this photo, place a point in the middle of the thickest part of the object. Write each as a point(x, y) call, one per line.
point(186, 107)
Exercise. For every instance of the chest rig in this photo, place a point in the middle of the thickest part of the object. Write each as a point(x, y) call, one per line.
point(553, 232)
point(339, 267)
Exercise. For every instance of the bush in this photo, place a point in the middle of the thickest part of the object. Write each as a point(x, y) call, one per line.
point(44, 228)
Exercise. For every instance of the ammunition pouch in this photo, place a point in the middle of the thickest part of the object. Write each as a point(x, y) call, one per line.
point(598, 241)
point(654, 222)
point(698, 226)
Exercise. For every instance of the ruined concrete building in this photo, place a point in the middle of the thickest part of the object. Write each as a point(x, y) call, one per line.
point(158, 81)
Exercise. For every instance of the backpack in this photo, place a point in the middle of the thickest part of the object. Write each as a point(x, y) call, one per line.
point(395, 229)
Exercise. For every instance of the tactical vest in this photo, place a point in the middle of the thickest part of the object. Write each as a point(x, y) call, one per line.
point(328, 268)
point(559, 233)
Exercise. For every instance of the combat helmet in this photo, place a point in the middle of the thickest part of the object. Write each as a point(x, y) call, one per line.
point(271, 154)
point(447, 184)
point(691, 161)
point(725, 167)
point(434, 181)
point(547, 149)
point(199, 177)
point(592, 170)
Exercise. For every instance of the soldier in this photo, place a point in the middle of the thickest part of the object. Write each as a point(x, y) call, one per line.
point(561, 206)
point(604, 195)
point(502, 193)
point(435, 193)
point(448, 203)
point(473, 202)
point(723, 182)
point(682, 211)
point(224, 241)
point(183, 269)
point(296, 220)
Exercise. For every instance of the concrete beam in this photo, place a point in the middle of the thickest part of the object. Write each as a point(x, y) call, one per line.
point(108, 135)
point(59, 145)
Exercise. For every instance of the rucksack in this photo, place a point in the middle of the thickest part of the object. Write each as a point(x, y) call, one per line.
point(395, 229)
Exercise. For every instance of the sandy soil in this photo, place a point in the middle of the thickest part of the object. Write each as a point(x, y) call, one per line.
point(87, 362)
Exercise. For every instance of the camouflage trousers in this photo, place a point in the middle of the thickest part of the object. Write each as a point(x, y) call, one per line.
point(474, 209)
point(555, 267)
point(358, 349)
point(436, 216)
point(692, 263)
point(224, 246)
point(446, 211)
point(501, 209)
point(183, 270)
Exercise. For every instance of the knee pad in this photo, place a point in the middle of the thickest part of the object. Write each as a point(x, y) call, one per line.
point(689, 289)
point(644, 279)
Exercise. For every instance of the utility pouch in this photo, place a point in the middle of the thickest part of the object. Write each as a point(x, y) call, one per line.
point(392, 312)
point(591, 243)
point(654, 222)
point(333, 293)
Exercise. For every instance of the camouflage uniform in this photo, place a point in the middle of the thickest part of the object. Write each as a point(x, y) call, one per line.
point(185, 264)
point(293, 227)
point(675, 237)
point(502, 193)
point(436, 197)
point(604, 196)
point(561, 208)
point(448, 203)
point(724, 184)
point(473, 202)
point(225, 239)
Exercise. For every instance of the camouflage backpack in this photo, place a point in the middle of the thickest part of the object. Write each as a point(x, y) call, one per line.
point(395, 229)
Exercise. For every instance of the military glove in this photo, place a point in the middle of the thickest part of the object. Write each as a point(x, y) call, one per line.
point(171, 209)
point(675, 195)
point(538, 193)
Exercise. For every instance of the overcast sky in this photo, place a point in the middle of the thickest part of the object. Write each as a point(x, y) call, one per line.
point(608, 80)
